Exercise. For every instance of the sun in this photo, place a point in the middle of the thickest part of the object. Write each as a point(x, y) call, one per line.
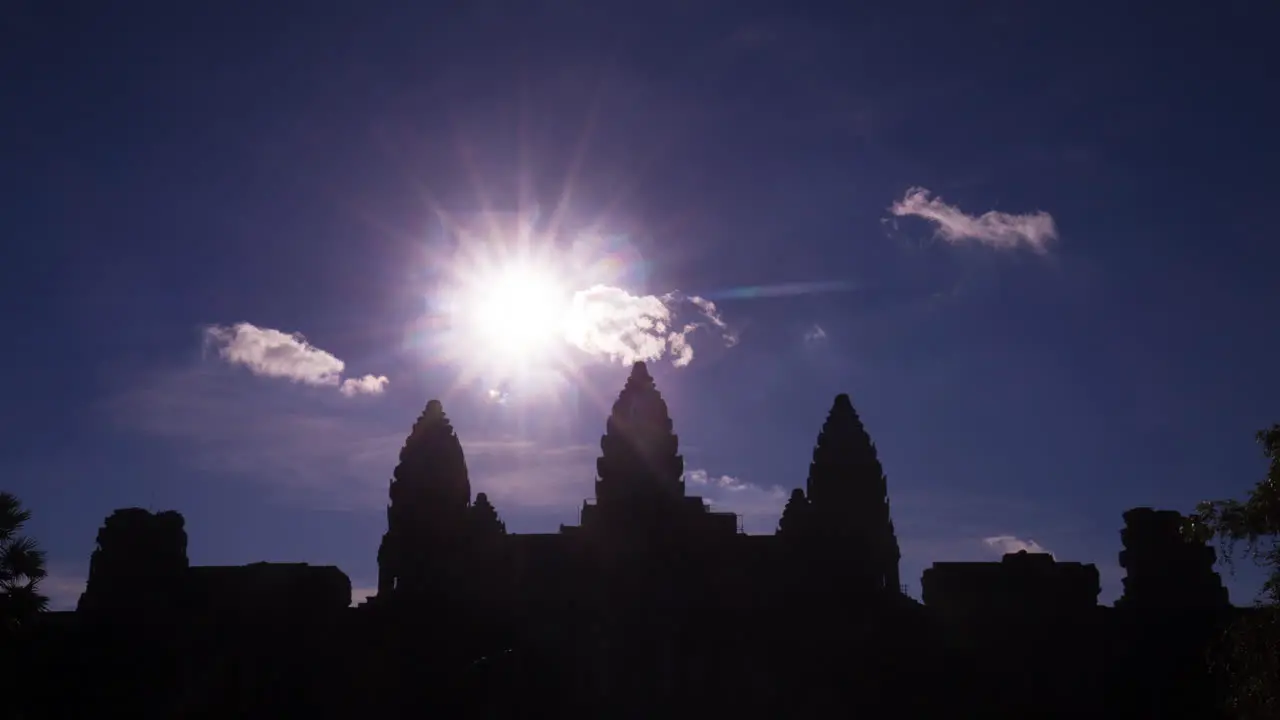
point(500, 309)
point(517, 311)
point(509, 311)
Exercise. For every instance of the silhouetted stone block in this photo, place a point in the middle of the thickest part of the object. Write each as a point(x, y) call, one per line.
point(267, 589)
point(1164, 569)
point(1021, 583)
point(139, 565)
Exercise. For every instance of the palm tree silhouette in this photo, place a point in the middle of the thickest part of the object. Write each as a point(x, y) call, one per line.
point(21, 567)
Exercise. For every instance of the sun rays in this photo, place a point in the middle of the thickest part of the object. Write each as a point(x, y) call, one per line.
point(515, 311)
point(501, 307)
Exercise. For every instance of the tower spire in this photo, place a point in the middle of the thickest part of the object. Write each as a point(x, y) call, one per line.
point(849, 498)
point(430, 495)
point(432, 465)
point(639, 450)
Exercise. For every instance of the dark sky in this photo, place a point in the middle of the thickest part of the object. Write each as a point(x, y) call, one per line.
point(1034, 241)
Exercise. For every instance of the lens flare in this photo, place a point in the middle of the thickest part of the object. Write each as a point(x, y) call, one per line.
point(517, 311)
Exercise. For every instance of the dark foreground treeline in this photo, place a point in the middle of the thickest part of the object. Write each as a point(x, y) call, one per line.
point(893, 659)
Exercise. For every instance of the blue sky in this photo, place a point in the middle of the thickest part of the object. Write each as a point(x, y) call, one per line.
point(1034, 245)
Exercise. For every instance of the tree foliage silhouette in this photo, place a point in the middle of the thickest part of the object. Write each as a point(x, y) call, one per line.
point(21, 567)
point(1252, 650)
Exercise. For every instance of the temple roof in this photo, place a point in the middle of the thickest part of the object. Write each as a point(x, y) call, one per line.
point(844, 449)
point(432, 461)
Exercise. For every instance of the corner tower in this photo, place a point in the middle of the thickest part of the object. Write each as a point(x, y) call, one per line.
point(1163, 570)
point(140, 564)
point(428, 514)
point(849, 501)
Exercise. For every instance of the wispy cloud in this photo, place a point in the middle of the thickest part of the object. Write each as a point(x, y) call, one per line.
point(610, 322)
point(1035, 230)
point(815, 334)
point(759, 506)
point(277, 354)
point(1005, 544)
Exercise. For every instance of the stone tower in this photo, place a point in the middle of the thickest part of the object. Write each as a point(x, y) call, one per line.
point(640, 460)
point(140, 564)
point(428, 518)
point(1163, 570)
point(640, 489)
point(849, 501)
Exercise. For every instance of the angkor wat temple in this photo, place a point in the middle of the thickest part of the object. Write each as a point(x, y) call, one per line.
point(653, 604)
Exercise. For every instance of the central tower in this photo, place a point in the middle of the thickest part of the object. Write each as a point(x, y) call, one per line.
point(639, 485)
point(640, 458)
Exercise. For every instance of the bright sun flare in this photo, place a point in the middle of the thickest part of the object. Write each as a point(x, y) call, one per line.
point(517, 311)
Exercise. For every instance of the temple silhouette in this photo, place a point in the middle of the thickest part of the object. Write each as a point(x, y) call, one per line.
point(652, 604)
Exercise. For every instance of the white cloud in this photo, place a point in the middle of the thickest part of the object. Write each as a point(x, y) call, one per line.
point(277, 354)
point(759, 506)
point(723, 482)
point(611, 322)
point(712, 314)
point(815, 334)
point(367, 385)
point(997, 229)
point(1005, 544)
point(272, 353)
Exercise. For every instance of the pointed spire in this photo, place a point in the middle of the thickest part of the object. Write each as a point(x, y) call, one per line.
point(640, 371)
point(640, 406)
point(848, 495)
point(432, 463)
point(430, 497)
point(639, 450)
point(844, 451)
